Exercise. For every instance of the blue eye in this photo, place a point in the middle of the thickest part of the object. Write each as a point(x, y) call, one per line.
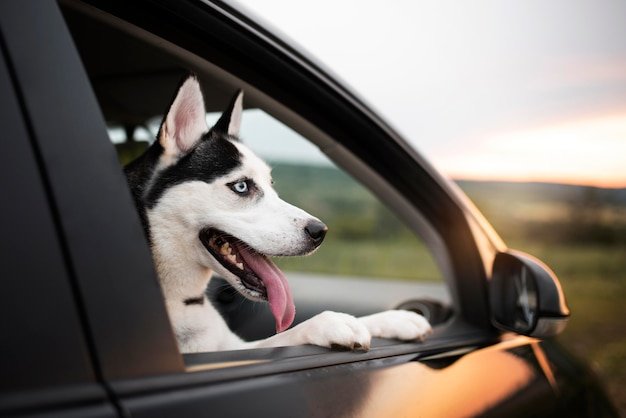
point(240, 187)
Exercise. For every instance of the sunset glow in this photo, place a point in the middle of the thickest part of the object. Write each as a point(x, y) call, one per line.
point(588, 151)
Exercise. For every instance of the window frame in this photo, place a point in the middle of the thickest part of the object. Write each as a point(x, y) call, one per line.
point(38, 293)
point(216, 35)
point(141, 342)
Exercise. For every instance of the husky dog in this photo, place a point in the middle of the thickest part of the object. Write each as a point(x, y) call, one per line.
point(207, 205)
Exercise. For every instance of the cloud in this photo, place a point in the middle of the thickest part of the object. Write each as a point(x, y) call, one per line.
point(576, 71)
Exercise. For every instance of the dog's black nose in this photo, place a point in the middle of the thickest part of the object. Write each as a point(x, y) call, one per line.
point(316, 230)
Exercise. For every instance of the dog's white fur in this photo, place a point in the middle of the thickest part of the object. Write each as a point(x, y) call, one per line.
point(268, 224)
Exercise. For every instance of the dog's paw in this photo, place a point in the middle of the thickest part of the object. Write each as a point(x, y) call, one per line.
point(332, 329)
point(397, 324)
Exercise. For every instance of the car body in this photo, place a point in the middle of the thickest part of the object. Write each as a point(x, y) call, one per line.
point(85, 328)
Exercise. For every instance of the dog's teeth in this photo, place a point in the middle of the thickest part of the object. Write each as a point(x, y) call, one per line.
point(225, 249)
point(232, 258)
point(239, 265)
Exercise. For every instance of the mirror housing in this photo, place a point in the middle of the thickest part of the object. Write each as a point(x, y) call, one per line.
point(526, 296)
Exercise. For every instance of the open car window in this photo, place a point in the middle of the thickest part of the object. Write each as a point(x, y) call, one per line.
point(370, 261)
point(367, 240)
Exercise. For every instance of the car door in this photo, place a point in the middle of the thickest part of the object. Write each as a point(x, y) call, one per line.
point(107, 304)
point(47, 363)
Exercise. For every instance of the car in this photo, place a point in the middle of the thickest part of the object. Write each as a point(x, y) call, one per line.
point(85, 329)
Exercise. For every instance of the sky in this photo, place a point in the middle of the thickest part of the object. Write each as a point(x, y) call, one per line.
point(532, 90)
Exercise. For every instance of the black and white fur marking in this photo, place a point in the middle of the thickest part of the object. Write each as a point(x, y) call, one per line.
point(207, 204)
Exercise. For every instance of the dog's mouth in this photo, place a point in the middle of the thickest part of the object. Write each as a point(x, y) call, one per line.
point(259, 276)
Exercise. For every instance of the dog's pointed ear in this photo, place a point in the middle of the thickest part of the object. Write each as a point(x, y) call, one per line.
point(185, 122)
point(230, 121)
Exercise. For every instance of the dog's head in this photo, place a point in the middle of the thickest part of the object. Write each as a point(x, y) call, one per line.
point(212, 200)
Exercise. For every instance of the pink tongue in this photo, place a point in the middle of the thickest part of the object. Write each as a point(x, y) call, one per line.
point(278, 292)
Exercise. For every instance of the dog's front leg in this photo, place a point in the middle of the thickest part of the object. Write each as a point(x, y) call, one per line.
point(397, 324)
point(330, 329)
point(327, 329)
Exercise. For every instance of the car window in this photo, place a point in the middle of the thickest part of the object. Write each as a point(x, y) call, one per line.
point(370, 261)
point(366, 240)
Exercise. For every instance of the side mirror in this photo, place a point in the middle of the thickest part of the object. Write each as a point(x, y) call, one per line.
point(526, 297)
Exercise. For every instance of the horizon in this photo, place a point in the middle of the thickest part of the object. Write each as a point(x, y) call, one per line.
point(276, 142)
point(321, 164)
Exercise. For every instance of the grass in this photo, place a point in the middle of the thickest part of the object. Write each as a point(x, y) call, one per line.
point(594, 282)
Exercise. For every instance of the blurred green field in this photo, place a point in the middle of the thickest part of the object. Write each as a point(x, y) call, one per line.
point(405, 260)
